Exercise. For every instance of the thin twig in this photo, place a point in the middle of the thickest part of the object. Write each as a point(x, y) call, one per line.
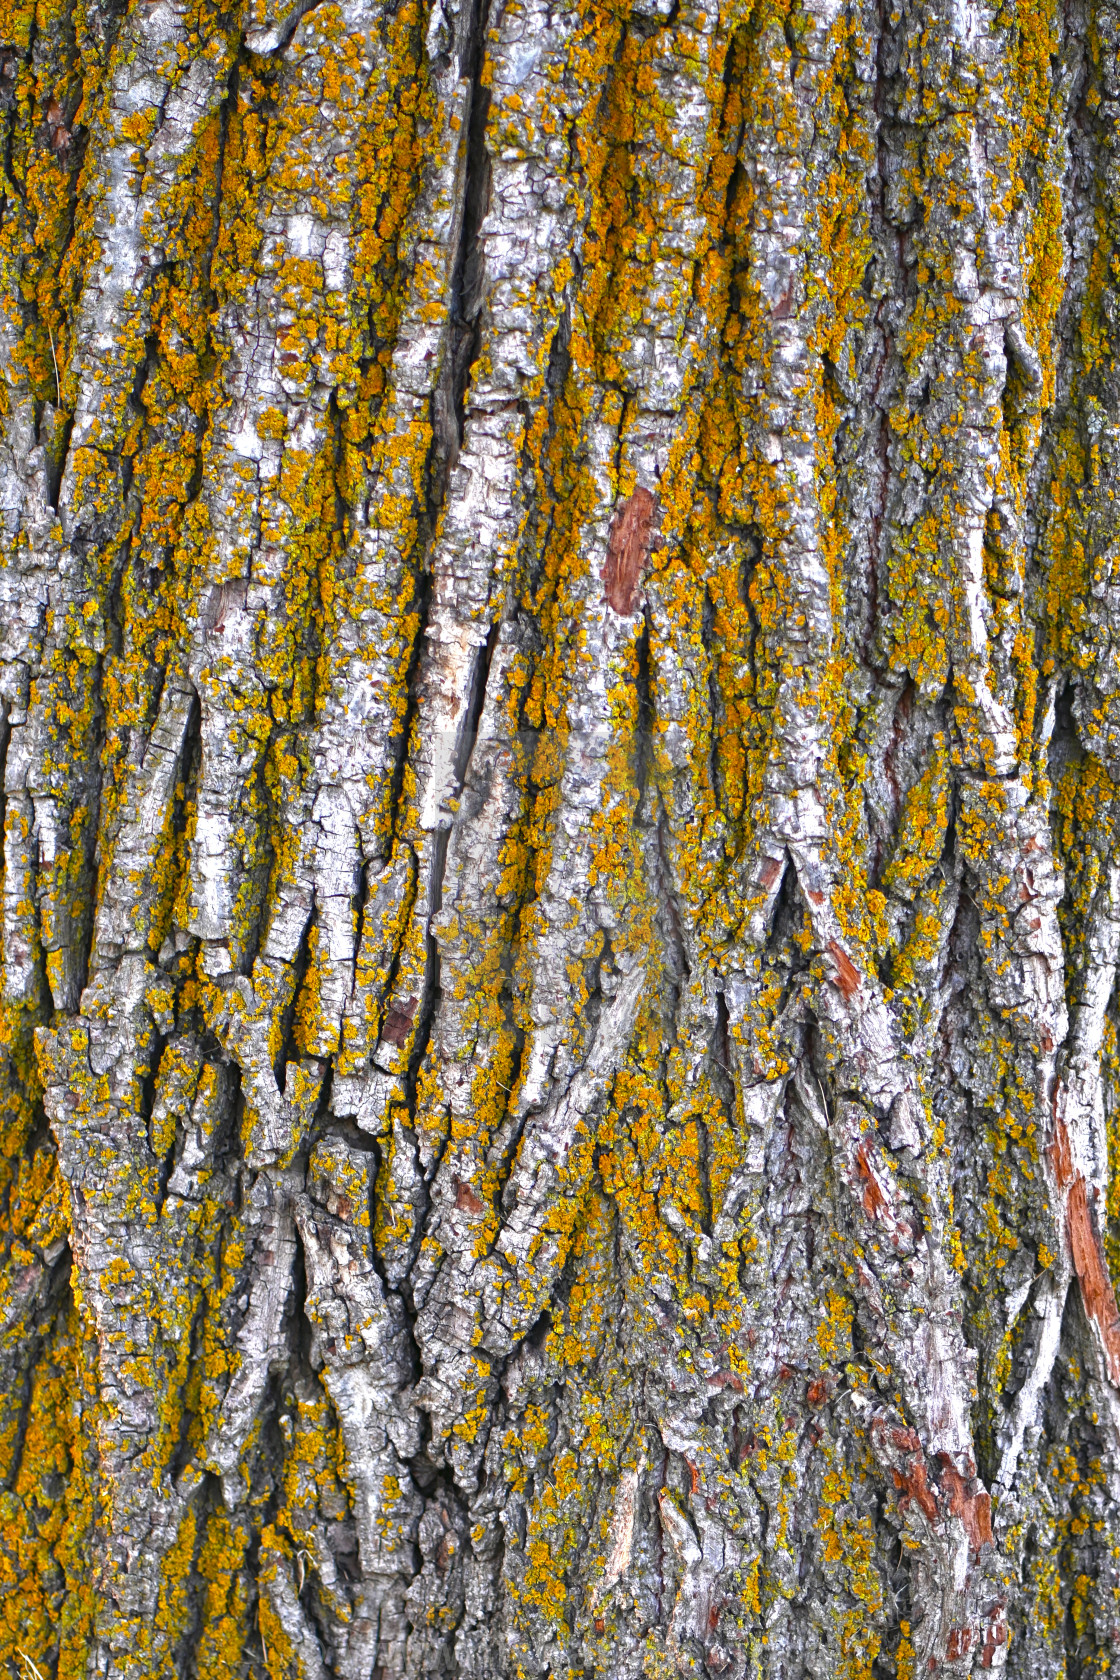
point(35, 1672)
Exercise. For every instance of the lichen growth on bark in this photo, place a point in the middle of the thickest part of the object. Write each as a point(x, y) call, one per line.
point(560, 912)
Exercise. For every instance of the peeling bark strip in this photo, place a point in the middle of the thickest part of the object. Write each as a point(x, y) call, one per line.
point(1098, 1289)
point(628, 550)
point(559, 1048)
point(847, 975)
point(975, 1509)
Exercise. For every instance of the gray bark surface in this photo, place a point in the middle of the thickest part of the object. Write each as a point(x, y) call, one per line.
point(561, 900)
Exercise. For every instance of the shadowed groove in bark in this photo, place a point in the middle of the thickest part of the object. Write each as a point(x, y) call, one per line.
point(466, 290)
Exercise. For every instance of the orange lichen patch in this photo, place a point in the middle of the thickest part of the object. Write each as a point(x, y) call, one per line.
point(628, 549)
point(43, 1539)
point(226, 1599)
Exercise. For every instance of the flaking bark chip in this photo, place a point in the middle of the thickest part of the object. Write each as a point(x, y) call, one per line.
point(628, 549)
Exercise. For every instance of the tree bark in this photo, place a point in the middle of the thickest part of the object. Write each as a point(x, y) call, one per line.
point(559, 1067)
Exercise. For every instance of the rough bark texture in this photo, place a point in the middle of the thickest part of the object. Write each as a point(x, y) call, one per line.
point(559, 1066)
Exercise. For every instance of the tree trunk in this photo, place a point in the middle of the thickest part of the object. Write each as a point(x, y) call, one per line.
point(561, 873)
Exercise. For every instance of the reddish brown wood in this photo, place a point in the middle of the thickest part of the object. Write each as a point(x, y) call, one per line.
point(628, 550)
